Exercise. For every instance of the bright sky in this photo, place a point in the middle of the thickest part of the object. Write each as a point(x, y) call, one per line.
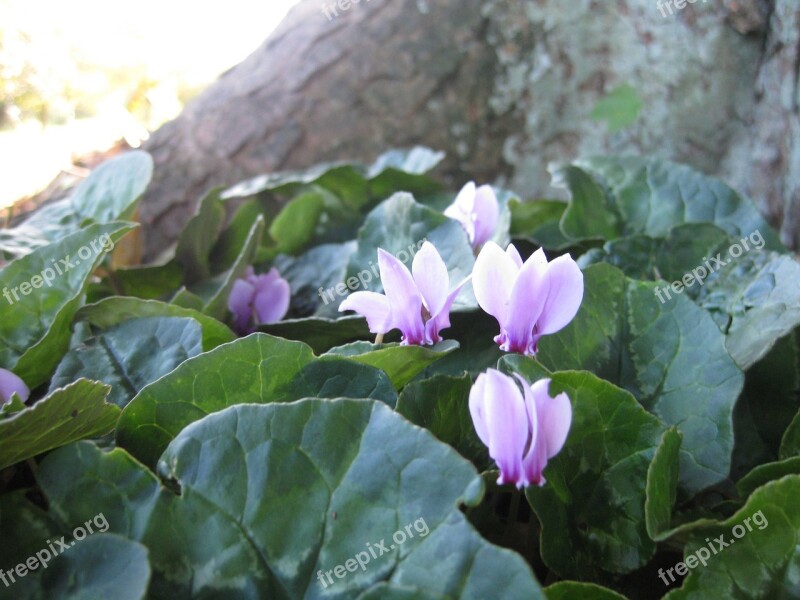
point(182, 41)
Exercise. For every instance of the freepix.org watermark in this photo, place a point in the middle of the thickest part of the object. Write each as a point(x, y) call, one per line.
point(362, 279)
point(48, 274)
point(332, 10)
point(53, 548)
point(715, 546)
point(374, 551)
point(710, 265)
point(665, 6)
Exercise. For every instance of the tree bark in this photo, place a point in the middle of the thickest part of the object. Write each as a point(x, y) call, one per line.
point(503, 87)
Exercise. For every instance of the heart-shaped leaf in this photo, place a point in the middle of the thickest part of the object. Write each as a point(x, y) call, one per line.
point(291, 491)
point(753, 554)
point(112, 311)
point(130, 355)
point(670, 355)
point(68, 414)
point(256, 369)
point(400, 363)
point(592, 509)
point(35, 325)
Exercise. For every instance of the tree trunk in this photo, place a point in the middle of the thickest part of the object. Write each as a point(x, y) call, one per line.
point(503, 87)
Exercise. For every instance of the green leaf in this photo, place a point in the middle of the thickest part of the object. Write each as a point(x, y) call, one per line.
point(619, 108)
point(760, 294)
point(617, 196)
point(112, 189)
point(591, 214)
point(573, 590)
point(130, 355)
point(400, 363)
point(592, 510)
point(288, 491)
point(230, 242)
point(101, 566)
point(295, 225)
point(47, 224)
point(662, 485)
point(14, 405)
point(403, 171)
point(34, 330)
point(790, 444)
point(539, 222)
point(399, 226)
point(766, 407)
point(216, 294)
point(115, 310)
point(336, 176)
point(109, 193)
point(760, 564)
point(72, 413)
point(320, 334)
point(671, 356)
point(765, 473)
point(256, 369)
point(414, 161)
point(198, 237)
point(149, 282)
point(475, 332)
point(314, 276)
point(683, 250)
point(440, 405)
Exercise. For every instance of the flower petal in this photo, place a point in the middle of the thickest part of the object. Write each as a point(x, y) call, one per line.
point(485, 213)
point(375, 307)
point(462, 208)
point(535, 459)
point(431, 278)
point(507, 425)
point(527, 300)
point(404, 298)
point(10, 384)
point(514, 254)
point(240, 303)
point(441, 320)
point(564, 297)
point(272, 298)
point(555, 416)
point(539, 257)
point(493, 278)
point(477, 396)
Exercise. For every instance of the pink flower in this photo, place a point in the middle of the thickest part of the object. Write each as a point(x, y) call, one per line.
point(11, 384)
point(418, 305)
point(528, 300)
point(522, 430)
point(477, 210)
point(258, 300)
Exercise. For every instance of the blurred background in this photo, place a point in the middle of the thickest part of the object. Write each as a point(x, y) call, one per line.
point(505, 89)
point(78, 77)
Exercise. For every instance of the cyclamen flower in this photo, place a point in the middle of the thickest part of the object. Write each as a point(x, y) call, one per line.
point(522, 430)
point(528, 300)
point(9, 384)
point(418, 305)
point(258, 300)
point(477, 210)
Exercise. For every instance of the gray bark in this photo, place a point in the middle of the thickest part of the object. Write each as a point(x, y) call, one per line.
point(505, 88)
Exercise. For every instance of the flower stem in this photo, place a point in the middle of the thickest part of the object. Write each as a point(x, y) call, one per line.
point(379, 339)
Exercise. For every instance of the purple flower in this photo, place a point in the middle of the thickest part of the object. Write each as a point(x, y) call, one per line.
point(477, 211)
point(418, 305)
point(528, 300)
point(522, 430)
point(9, 384)
point(258, 300)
